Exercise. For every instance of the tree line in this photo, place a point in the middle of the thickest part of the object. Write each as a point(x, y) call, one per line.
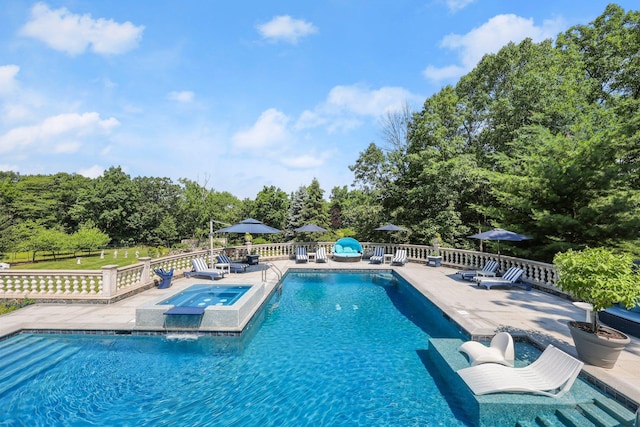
point(539, 138)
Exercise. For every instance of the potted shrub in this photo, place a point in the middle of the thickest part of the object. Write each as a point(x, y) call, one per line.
point(601, 278)
point(434, 259)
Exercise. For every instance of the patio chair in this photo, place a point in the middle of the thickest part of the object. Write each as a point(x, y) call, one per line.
point(234, 267)
point(488, 270)
point(378, 256)
point(510, 278)
point(552, 374)
point(400, 258)
point(321, 255)
point(301, 254)
point(200, 269)
point(501, 350)
point(165, 276)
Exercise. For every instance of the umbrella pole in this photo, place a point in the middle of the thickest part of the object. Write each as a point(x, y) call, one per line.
point(211, 242)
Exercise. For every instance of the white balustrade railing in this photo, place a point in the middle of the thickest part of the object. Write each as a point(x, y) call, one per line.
point(113, 281)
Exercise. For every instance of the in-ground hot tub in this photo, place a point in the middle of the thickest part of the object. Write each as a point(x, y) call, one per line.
point(202, 307)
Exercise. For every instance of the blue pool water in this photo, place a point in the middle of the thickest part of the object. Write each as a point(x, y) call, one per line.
point(334, 349)
point(206, 295)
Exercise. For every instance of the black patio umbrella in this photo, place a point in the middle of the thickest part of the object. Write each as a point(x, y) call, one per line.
point(310, 228)
point(391, 227)
point(251, 226)
point(499, 234)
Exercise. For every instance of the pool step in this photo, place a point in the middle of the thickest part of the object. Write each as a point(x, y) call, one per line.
point(11, 346)
point(33, 363)
point(616, 410)
point(601, 412)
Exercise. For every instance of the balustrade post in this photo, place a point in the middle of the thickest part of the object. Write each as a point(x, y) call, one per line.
point(109, 280)
point(146, 270)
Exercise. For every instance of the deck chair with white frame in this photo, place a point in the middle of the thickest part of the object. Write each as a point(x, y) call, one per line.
point(552, 374)
point(488, 270)
point(201, 269)
point(301, 254)
point(234, 267)
point(321, 255)
point(378, 256)
point(400, 258)
point(510, 278)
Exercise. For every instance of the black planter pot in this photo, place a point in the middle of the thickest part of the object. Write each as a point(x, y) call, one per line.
point(596, 350)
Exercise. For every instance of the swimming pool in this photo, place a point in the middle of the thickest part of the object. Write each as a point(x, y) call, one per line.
point(206, 295)
point(332, 349)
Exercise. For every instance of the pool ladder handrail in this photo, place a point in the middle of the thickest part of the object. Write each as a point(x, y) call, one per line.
point(273, 267)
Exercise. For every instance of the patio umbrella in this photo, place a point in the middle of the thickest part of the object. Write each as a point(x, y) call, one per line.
point(499, 234)
point(251, 226)
point(310, 228)
point(390, 227)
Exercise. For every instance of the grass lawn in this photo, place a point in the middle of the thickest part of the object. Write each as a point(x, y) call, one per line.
point(87, 262)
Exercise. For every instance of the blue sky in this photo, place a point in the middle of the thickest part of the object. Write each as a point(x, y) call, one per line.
point(237, 95)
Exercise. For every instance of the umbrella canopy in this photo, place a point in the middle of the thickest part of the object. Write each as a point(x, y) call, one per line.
point(500, 234)
point(251, 226)
point(310, 228)
point(390, 227)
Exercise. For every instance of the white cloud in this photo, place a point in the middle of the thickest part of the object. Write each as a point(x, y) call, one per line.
point(8, 78)
point(269, 130)
point(50, 130)
point(304, 161)
point(456, 5)
point(443, 73)
point(15, 113)
point(285, 28)
point(92, 172)
point(489, 38)
point(345, 106)
point(183, 96)
point(71, 33)
point(7, 167)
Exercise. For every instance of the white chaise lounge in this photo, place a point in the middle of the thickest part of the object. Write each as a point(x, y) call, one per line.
point(510, 278)
point(400, 258)
point(201, 269)
point(489, 270)
point(321, 255)
point(501, 350)
point(552, 374)
point(378, 256)
point(301, 254)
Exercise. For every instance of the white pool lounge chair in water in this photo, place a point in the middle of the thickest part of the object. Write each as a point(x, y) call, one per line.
point(488, 270)
point(377, 257)
point(552, 374)
point(301, 254)
point(321, 255)
point(510, 278)
point(201, 269)
point(400, 258)
point(500, 350)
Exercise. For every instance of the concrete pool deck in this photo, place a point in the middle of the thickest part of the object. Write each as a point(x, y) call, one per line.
point(541, 316)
